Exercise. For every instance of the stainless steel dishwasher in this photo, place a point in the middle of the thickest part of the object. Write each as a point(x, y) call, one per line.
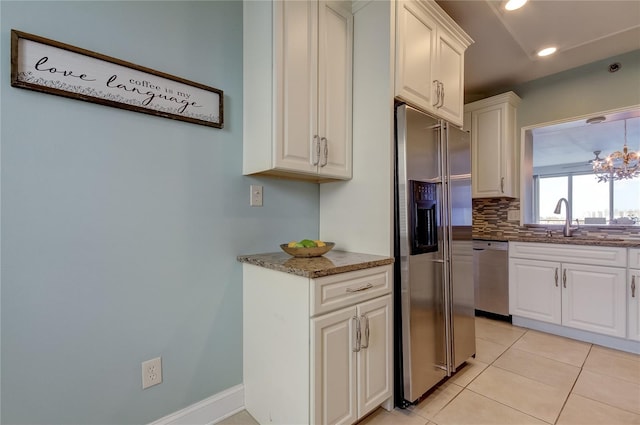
point(491, 276)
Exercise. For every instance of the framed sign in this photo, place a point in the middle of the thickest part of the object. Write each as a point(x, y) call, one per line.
point(51, 67)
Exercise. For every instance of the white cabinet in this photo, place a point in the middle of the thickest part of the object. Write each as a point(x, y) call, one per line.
point(317, 350)
point(633, 296)
point(430, 59)
point(297, 85)
point(351, 352)
point(534, 290)
point(494, 138)
point(548, 283)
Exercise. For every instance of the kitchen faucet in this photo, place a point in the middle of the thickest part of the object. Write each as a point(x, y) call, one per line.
point(567, 222)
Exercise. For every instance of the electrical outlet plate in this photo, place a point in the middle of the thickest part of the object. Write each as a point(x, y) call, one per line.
point(256, 195)
point(151, 372)
point(513, 215)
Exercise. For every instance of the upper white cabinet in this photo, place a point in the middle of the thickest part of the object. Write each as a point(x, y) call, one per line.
point(297, 89)
point(430, 60)
point(493, 146)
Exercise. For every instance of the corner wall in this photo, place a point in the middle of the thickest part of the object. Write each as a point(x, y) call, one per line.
point(120, 230)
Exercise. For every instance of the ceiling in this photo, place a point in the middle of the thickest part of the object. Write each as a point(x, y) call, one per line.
point(503, 54)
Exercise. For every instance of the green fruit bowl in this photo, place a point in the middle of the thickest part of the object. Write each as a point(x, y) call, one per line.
point(315, 251)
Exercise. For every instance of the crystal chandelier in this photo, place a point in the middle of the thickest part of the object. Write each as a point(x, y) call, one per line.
point(618, 165)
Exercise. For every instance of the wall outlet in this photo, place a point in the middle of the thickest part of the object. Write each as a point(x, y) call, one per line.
point(513, 215)
point(256, 196)
point(151, 372)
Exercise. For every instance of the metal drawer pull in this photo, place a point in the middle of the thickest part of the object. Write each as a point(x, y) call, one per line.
point(366, 331)
point(556, 277)
point(502, 184)
point(633, 286)
point(325, 151)
point(362, 288)
point(356, 334)
point(564, 278)
point(316, 150)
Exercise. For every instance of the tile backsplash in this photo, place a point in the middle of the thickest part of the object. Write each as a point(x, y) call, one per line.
point(490, 221)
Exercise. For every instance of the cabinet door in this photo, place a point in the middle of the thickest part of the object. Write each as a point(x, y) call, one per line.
point(295, 88)
point(375, 378)
point(450, 72)
point(534, 290)
point(335, 37)
point(633, 285)
point(333, 365)
point(594, 299)
point(415, 51)
point(488, 153)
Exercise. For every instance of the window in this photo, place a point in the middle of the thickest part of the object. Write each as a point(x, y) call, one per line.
point(591, 202)
point(557, 162)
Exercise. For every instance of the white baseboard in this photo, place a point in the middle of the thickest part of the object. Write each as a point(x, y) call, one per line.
point(208, 411)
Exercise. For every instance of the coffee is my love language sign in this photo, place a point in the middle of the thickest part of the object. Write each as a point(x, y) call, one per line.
point(52, 67)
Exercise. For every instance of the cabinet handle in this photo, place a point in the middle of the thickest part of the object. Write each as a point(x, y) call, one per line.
point(564, 278)
point(362, 288)
point(326, 151)
point(502, 184)
point(436, 83)
point(366, 331)
point(633, 286)
point(356, 334)
point(556, 277)
point(316, 150)
point(441, 95)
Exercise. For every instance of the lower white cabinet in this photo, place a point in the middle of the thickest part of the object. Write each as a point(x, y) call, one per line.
point(581, 296)
point(633, 297)
point(316, 351)
point(351, 374)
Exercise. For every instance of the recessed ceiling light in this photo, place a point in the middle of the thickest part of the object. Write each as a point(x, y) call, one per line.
point(547, 51)
point(514, 4)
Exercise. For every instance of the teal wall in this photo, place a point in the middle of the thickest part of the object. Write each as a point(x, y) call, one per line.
point(119, 230)
point(581, 91)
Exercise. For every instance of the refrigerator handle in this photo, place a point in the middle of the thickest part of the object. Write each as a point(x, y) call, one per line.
point(447, 239)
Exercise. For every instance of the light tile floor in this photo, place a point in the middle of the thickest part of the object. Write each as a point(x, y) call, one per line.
point(521, 376)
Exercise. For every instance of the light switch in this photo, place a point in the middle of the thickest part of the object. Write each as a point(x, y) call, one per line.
point(256, 196)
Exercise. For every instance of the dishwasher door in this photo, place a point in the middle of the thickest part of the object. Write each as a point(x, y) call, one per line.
point(491, 276)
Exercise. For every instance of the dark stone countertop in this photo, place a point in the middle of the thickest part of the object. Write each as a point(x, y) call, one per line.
point(333, 262)
point(579, 240)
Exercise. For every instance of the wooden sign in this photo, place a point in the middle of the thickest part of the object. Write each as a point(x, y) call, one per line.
point(51, 67)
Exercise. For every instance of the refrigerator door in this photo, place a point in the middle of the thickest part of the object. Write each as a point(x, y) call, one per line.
point(462, 289)
point(422, 275)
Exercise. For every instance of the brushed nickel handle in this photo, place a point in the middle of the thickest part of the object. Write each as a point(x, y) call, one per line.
point(556, 277)
point(360, 289)
point(366, 331)
point(326, 151)
point(316, 150)
point(502, 184)
point(633, 286)
point(356, 334)
point(441, 95)
point(564, 278)
point(436, 83)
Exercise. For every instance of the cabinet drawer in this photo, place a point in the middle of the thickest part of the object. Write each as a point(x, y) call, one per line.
point(634, 258)
point(341, 290)
point(577, 254)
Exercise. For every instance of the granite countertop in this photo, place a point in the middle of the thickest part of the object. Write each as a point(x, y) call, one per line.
point(333, 262)
point(579, 240)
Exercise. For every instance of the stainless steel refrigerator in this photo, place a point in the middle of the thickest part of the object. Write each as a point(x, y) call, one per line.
point(434, 293)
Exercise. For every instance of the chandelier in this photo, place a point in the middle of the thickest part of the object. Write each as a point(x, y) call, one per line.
point(618, 165)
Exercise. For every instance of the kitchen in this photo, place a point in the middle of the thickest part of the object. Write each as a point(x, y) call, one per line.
point(200, 334)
